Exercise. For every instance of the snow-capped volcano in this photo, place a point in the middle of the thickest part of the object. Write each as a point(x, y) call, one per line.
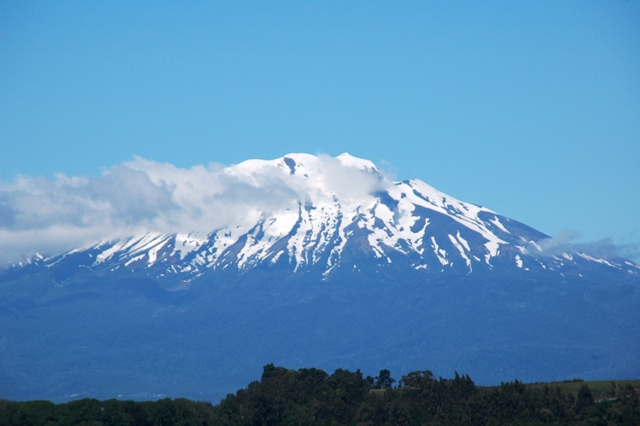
point(201, 276)
point(316, 213)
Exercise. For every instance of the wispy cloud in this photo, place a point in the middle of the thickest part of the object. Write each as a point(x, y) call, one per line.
point(559, 243)
point(606, 248)
point(51, 216)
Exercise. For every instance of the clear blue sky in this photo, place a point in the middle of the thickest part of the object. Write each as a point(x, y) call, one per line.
point(531, 108)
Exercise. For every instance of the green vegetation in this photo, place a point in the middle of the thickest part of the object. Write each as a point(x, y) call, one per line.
point(601, 389)
point(312, 397)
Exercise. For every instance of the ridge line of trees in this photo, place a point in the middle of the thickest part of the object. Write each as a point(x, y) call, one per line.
point(310, 396)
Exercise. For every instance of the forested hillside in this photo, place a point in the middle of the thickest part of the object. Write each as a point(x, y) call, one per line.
point(310, 396)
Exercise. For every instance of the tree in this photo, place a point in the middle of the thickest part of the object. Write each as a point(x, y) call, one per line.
point(384, 380)
point(585, 399)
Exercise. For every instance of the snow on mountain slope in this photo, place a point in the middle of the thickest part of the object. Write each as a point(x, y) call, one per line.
point(314, 211)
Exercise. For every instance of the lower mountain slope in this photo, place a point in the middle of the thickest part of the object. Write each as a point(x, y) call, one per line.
point(109, 336)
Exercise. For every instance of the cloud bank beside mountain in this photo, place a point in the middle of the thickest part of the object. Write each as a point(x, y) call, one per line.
point(50, 216)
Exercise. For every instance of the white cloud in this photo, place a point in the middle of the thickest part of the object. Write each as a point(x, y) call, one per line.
point(140, 196)
point(559, 243)
point(564, 242)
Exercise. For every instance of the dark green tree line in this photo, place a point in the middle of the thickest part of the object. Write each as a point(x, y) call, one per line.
point(310, 396)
